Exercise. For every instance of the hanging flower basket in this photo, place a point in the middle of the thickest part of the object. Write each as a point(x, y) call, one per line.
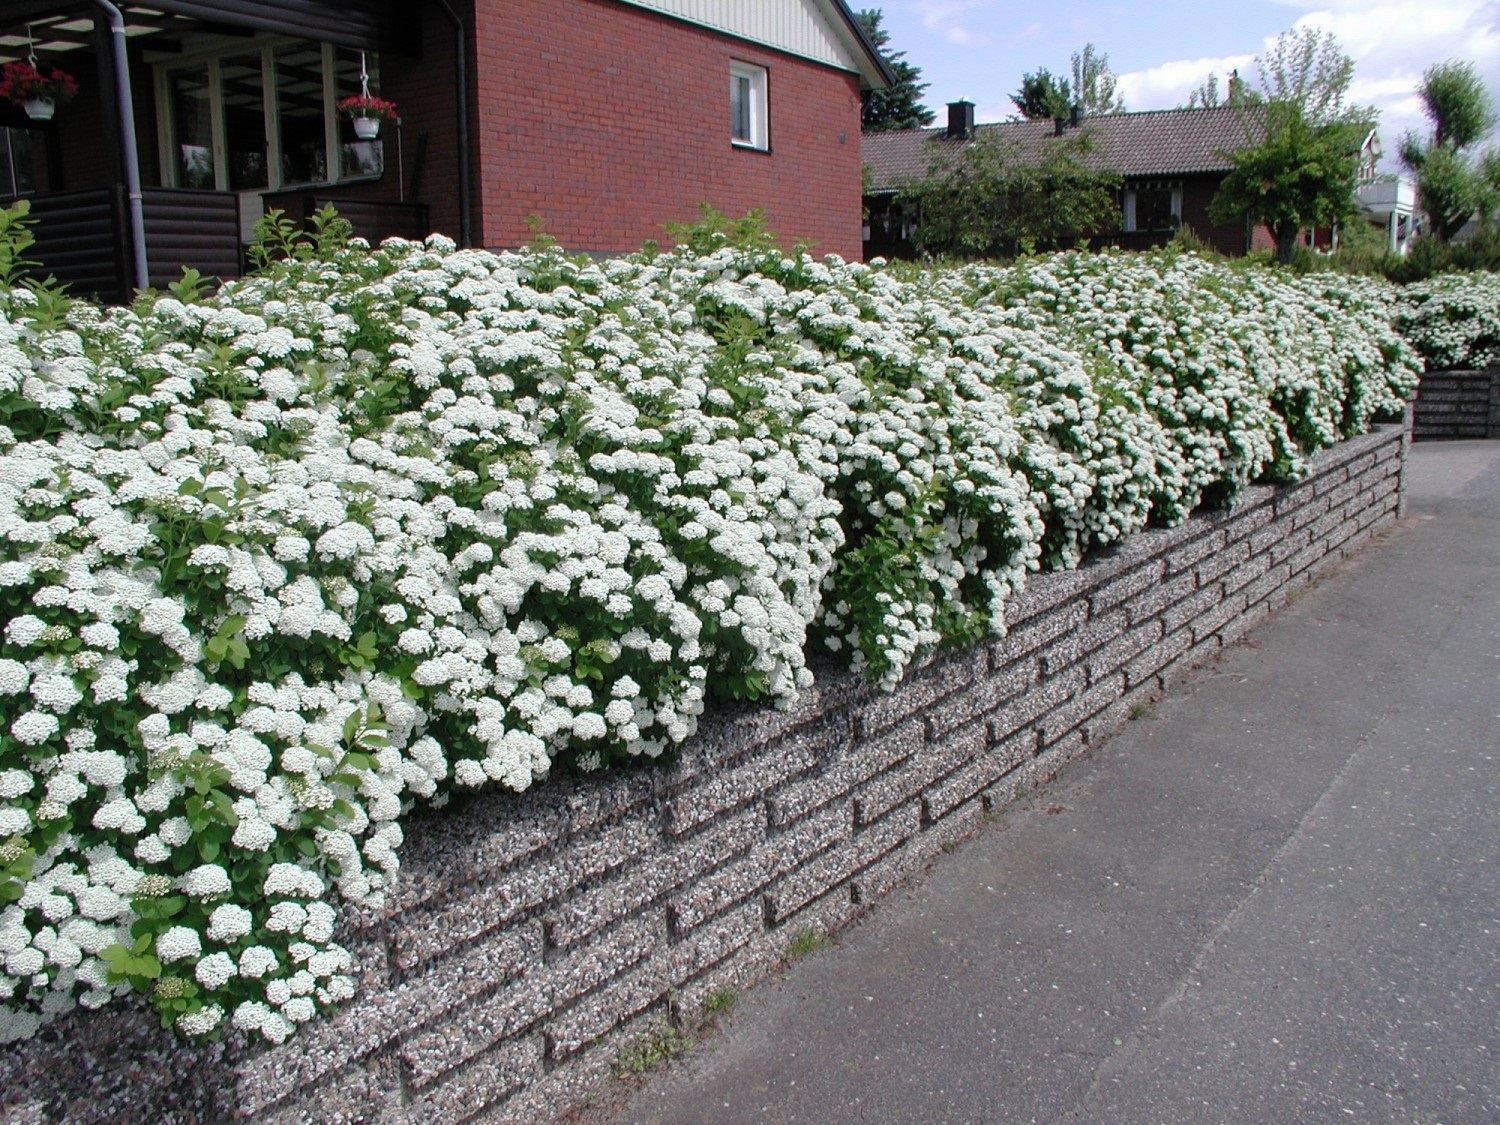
point(38, 90)
point(367, 112)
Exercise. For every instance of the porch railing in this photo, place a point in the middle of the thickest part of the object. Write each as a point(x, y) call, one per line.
point(372, 219)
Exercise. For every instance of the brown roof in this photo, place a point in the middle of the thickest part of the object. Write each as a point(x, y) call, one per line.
point(1154, 143)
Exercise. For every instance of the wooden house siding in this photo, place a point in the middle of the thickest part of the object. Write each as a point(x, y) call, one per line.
point(81, 237)
point(799, 27)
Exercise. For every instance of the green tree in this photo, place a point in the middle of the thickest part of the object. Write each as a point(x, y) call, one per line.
point(899, 106)
point(1454, 182)
point(1094, 83)
point(1043, 96)
point(1300, 162)
point(1237, 92)
point(994, 198)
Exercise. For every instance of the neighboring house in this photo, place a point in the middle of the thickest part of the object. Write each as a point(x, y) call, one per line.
point(1172, 162)
point(1388, 200)
point(602, 119)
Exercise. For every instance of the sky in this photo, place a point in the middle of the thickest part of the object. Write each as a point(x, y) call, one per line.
point(1162, 51)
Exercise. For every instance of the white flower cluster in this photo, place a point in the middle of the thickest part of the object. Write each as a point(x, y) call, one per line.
point(347, 536)
point(1453, 320)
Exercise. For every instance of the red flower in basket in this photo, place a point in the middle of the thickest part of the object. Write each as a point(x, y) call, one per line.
point(366, 105)
point(20, 82)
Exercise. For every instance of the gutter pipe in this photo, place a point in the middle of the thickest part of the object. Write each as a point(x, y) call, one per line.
point(135, 211)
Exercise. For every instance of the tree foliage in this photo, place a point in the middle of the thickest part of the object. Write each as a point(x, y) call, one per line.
point(899, 106)
point(1045, 95)
point(1453, 181)
point(993, 199)
point(1237, 92)
point(1094, 83)
point(1300, 163)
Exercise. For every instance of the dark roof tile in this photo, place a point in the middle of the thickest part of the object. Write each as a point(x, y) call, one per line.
point(1153, 143)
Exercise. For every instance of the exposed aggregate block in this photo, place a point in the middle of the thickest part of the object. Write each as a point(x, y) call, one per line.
point(977, 776)
point(488, 1079)
point(767, 860)
point(1458, 404)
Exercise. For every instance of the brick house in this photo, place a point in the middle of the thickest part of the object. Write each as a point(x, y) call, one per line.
point(1172, 162)
point(602, 119)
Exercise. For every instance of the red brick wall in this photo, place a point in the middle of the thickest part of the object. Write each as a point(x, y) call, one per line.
point(607, 121)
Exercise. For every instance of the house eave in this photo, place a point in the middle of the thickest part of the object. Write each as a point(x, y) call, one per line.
point(873, 71)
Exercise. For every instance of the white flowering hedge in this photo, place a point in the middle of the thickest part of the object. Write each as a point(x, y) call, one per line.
point(1453, 320)
point(365, 531)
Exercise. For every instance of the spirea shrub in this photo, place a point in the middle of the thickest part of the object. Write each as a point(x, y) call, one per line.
point(1453, 320)
point(366, 531)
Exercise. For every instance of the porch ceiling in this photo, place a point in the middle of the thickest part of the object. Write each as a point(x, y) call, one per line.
point(57, 27)
point(51, 35)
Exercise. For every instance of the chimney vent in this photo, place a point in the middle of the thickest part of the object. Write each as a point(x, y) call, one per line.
point(1076, 119)
point(960, 120)
point(1059, 126)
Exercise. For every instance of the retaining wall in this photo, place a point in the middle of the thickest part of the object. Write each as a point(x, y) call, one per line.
point(1458, 404)
point(532, 935)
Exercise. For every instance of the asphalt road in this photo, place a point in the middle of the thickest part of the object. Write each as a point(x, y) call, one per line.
point(1274, 898)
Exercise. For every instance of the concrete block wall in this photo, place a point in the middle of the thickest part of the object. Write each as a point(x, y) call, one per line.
point(1458, 404)
point(531, 936)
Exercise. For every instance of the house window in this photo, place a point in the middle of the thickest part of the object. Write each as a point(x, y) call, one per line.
point(747, 105)
point(17, 162)
point(1153, 207)
point(263, 118)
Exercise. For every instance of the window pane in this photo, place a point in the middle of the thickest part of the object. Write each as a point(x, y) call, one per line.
point(17, 162)
point(739, 108)
point(299, 103)
point(1153, 209)
point(244, 120)
point(357, 157)
point(194, 128)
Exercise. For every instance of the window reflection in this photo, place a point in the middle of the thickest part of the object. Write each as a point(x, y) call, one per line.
point(244, 120)
point(192, 119)
point(300, 109)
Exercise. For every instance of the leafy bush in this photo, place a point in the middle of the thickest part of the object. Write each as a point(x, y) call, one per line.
point(1453, 320)
point(368, 530)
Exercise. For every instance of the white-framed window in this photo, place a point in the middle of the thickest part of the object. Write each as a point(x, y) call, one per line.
point(259, 115)
point(1153, 206)
point(747, 106)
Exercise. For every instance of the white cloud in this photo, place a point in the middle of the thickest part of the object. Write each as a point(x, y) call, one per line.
point(1169, 85)
point(995, 111)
